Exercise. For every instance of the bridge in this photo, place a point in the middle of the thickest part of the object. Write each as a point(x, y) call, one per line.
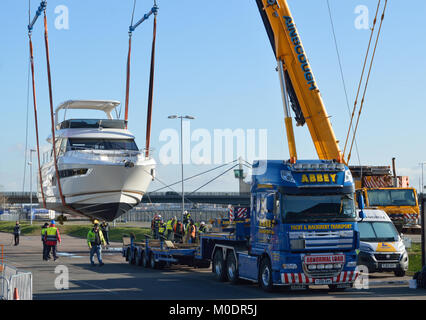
point(225, 198)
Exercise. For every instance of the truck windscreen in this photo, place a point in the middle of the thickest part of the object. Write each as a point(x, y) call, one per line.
point(391, 197)
point(317, 208)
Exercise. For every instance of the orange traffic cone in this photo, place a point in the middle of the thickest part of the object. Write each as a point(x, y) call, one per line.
point(15, 294)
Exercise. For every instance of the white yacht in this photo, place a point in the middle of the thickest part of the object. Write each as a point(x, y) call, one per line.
point(102, 172)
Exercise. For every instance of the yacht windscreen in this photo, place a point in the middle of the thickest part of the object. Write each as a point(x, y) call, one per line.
point(102, 144)
point(93, 123)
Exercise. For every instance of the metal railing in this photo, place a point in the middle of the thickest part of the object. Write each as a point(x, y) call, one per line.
point(197, 215)
point(12, 280)
point(10, 217)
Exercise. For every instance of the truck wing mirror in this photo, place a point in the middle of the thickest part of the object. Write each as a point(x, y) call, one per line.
point(361, 205)
point(360, 200)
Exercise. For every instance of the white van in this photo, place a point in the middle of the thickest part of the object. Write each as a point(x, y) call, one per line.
point(381, 247)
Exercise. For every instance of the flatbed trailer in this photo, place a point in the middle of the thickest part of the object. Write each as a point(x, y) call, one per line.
point(157, 254)
point(161, 253)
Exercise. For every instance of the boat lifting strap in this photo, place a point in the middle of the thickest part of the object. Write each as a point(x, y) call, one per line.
point(49, 79)
point(35, 119)
point(39, 11)
point(151, 90)
point(153, 11)
point(42, 8)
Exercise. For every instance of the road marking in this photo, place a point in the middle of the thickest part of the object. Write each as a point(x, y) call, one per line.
point(95, 286)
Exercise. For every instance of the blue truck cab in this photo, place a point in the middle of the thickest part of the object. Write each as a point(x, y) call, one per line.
point(303, 229)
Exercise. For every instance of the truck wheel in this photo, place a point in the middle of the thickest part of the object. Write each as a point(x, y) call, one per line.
point(231, 268)
point(218, 266)
point(265, 275)
point(144, 260)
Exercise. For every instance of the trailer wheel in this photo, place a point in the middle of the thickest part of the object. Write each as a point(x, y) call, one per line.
point(131, 257)
point(138, 258)
point(219, 266)
point(152, 262)
point(232, 267)
point(145, 262)
point(265, 275)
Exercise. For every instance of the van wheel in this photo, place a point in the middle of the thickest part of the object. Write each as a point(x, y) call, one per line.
point(218, 266)
point(265, 275)
point(231, 268)
point(399, 273)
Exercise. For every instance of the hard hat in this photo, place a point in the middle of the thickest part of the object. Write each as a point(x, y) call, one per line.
point(52, 222)
point(203, 223)
point(95, 221)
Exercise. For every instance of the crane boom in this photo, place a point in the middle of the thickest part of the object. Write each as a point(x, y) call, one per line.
point(299, 81)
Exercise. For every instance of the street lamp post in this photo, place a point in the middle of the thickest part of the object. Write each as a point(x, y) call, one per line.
point(181, 153)
point(31, 184)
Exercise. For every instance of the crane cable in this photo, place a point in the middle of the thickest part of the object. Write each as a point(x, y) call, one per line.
point(361, 78)
point(368, 78)
point(341, 74)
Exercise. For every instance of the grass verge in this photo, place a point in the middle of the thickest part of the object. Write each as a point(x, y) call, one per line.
point(73, 230)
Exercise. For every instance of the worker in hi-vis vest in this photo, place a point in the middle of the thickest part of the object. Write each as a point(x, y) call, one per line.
point(43, 233)
point(169, 228)
point(51, 238)
point(95, 241)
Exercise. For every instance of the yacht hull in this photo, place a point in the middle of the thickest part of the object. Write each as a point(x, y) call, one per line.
point(100, 188)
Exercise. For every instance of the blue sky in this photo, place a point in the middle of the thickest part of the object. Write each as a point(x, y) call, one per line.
point(214, 62)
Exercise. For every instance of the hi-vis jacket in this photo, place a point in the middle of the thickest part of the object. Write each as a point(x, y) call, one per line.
point(91, 237)
point(52, 236)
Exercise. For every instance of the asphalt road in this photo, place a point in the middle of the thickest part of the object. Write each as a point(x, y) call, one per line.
point(117, 280)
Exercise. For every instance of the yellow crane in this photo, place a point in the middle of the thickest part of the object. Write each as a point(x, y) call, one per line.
point(300, 92)
point(297, 81)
